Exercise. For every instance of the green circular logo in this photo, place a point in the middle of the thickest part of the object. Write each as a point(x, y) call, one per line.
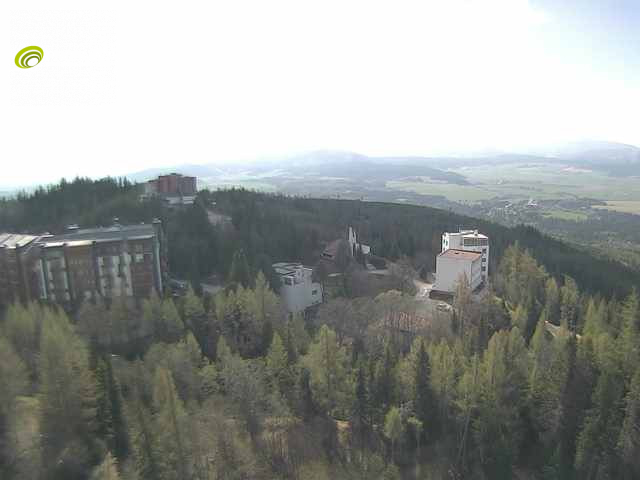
point(27, 54)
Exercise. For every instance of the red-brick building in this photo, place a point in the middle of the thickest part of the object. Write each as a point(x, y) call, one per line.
point(173, 188)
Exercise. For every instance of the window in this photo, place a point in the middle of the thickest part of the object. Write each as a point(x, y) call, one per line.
point(288, 281)
point(484, 269)
point(314, 292)
point(484, 260)
point(484, 250)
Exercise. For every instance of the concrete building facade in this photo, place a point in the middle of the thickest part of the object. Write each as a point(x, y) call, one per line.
point(298, 290)
point(122, 260)
point(17, 279)
point(101, 262)
point(452, 265)
point(471, 241)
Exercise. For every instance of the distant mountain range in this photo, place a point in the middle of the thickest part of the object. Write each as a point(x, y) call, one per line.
point(612, 158)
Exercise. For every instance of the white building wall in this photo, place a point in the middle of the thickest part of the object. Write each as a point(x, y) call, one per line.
point(461, 240)
point(298, 292)
point(450, 270)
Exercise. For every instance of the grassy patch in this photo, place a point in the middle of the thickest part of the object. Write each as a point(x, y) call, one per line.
point(549, 181)
point(561, 214)
point(625, 206)
point(456, 193)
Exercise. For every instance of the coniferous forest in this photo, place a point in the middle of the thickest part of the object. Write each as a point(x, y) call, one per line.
point(536, 379)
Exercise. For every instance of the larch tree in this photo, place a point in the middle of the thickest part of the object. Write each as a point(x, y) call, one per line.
point(171, 428)
point(13, 382)
point(67, 390)
point(393, 428)
point(107, 470)
point(144, 442)
point(21, 325)
point(328, 365)
point(277, 362)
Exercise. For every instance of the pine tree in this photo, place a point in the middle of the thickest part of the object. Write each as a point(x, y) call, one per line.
point(424, 402)
point(569, 304)
point(110, 419)
point(629, 339)
point(240, 272)
point(361, 413)
point(104, 416)
point(552, 301)
point(596, 445)
point(594, 319)
point(385, 385)
point(629, 440)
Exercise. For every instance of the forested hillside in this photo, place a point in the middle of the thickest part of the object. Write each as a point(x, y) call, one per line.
point(291, 228)
point(233, 389)
point(270, 228)
point(537, 379)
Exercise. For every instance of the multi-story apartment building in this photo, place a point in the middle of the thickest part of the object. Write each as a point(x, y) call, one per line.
point(298, 291)
point(17, 279)
point(175, 189)
point(82, 264)
point(470, 241)
point(101, 262)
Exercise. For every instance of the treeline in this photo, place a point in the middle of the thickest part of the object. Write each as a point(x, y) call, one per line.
point(81, 201)
point(271, 228)
point(536, 377)
point(293, 229)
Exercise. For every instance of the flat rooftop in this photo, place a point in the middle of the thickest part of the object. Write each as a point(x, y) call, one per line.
point(101, 234)
point(468, 233)
point(15, 240)
point(460, 255)
point(287, 268)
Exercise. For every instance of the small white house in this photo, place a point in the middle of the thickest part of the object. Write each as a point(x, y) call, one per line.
point(471, 241)
point(298, 291)
point(451, 265)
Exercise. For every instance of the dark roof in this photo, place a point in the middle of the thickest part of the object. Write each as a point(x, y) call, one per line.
point(103, 234)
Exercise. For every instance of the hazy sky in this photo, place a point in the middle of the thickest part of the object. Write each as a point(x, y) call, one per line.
point(128, 85)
